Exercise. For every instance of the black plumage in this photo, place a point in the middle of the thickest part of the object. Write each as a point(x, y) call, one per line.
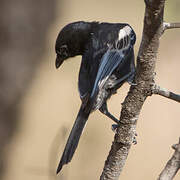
point(107, 62)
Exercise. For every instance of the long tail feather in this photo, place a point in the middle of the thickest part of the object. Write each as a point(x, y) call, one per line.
point(73, 139)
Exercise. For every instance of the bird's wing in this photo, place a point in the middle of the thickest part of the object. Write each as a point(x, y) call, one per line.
point(114, 58)
point(83, 81)
point(110, 61)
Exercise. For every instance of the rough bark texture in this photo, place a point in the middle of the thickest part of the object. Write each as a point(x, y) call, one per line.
point(153, 27)
point(23, 29)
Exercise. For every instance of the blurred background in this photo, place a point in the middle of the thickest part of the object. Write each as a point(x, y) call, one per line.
point(38, 104)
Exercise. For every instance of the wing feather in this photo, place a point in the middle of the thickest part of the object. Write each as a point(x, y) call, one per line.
point(114, 58)
point(109, 63)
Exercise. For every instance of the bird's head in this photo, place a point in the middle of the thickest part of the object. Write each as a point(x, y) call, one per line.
point(71, 41)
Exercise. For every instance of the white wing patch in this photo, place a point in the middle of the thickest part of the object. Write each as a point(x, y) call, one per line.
point(122, 34)
point(125, 31)
point(123, 41)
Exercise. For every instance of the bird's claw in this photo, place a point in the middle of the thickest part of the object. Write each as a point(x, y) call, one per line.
point(114, 127)
point(132, 84)
point(134, 140)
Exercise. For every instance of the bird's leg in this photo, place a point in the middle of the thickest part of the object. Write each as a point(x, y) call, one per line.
point(114, 127)
point(105, 111)
point(131, 78)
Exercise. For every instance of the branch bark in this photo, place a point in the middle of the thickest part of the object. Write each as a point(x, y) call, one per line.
point(173, 165)
point(132, 105)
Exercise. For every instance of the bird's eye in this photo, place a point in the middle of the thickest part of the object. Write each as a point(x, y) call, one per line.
point(63, 51)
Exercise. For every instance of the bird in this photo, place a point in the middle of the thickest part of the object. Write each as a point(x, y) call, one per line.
point(107, 51)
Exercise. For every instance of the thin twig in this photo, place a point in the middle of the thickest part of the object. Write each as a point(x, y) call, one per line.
point(167, 25)
point(172, 166)
point(165, 93)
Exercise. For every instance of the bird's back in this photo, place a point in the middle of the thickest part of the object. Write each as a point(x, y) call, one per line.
point(103, 38)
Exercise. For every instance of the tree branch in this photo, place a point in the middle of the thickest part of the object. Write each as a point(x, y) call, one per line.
point(170, 25)
point(165, 93)
point(153, 27)
point(173, 165)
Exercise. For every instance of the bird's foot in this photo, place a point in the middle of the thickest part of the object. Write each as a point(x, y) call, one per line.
point(134, 139)
point(132, 84)
point(114, 127)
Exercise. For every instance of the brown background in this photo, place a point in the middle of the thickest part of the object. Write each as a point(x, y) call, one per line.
point(50, 105)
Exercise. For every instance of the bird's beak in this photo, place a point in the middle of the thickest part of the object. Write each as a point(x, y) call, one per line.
point(59, 61)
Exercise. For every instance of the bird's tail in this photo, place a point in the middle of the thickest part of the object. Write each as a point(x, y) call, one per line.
point(73, 139)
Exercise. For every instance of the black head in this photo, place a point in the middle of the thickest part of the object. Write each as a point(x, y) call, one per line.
point(71, 41)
